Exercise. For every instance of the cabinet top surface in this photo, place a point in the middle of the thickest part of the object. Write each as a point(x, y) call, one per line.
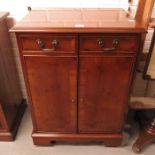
point(78, 20)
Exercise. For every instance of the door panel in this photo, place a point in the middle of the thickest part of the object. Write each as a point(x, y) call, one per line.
point(53, 92)
point(103, 90)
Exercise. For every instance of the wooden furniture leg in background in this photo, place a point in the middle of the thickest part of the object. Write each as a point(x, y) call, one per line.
point(147, 136)
point(144, 106)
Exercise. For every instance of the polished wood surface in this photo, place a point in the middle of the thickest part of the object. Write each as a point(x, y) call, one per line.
point(78, 20)
point(126, 43)
point(53, 92)
point(78, 91)
point(10, 91)
point(3, 124)
point(144, 11)
point(66, 43)
point(101, 95)
point(146, 136)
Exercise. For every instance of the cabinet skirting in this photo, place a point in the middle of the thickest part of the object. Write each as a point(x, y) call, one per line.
point(48, 139)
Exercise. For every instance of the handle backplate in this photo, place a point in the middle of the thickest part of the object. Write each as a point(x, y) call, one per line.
point(41, 45)
point(101, 43)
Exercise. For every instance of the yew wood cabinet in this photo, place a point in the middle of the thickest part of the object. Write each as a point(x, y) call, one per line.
point(78, 66)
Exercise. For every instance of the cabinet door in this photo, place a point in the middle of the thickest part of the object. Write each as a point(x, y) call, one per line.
point(52, 89)
point(103, 91)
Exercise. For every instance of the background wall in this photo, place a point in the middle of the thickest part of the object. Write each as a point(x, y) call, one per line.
point(18, 8)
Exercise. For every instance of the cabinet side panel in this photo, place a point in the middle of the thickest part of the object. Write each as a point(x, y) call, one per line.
point(10, 90)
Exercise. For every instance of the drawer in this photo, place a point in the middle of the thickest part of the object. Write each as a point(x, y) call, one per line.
point(105, 43)
point(48, 43)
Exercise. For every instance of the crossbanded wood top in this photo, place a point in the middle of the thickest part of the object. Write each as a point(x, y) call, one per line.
point(78, 20)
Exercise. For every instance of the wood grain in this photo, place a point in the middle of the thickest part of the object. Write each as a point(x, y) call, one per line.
point(80, 95)
point(10, 91)
point(104, 96)
point(52, 82)
point(144, 10)
point(78, 20)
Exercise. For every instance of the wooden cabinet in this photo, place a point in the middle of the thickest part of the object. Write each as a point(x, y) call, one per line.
point(12, 105)
point(101, 96)
point(104, 81)
point(53, 92)
point(78, 79)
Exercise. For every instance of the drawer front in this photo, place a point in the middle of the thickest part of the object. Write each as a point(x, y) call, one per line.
point(48, 43)
point(108, 43)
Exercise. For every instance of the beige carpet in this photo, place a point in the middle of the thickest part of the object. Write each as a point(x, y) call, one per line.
point(23, 145)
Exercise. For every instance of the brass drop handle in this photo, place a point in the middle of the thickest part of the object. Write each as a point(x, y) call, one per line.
point(101, 43)
point(41, 45)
